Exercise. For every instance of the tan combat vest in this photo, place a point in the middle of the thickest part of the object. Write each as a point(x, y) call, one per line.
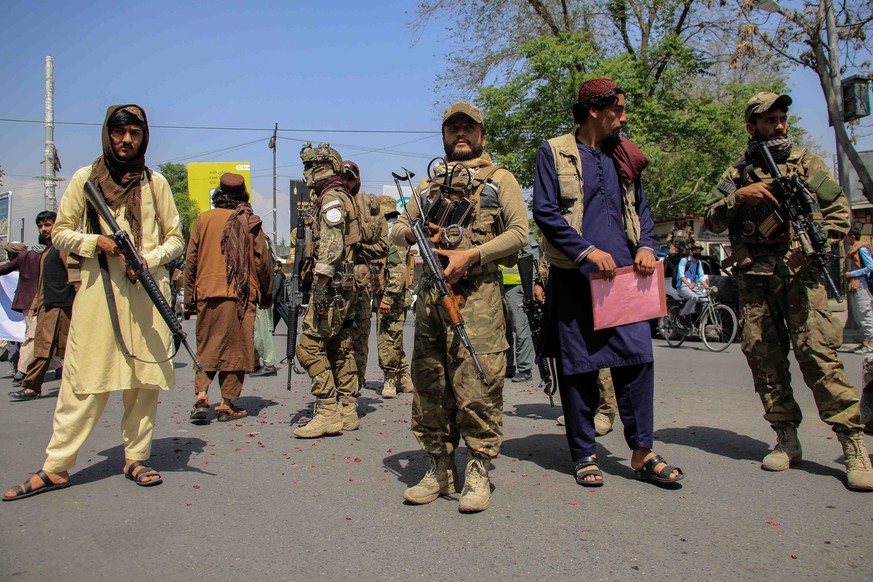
point(486, 222)
point(352, 232)
point(571, 194)
point(751, 218)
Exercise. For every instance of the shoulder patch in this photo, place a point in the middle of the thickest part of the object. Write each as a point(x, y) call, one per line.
point(333, 216)
point(332, 204)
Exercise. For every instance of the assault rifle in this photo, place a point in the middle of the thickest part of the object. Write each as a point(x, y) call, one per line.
point(136, 264)
point(448, 299)
point(293, 290)
point(797, 204)
point(528, 271)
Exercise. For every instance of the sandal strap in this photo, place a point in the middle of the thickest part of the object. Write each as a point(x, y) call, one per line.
point(45, 479)
point(652, 463)
point(131, 469)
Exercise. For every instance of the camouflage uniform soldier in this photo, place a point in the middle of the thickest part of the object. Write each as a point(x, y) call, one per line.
point(325, 347)
point(782, 295)
point(393, 302)
point(449, 402)
point(373, 248)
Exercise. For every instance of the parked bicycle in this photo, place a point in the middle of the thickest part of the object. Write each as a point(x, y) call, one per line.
point(715, 324)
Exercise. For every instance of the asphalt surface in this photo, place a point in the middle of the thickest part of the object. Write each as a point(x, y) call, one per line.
point(247, 501)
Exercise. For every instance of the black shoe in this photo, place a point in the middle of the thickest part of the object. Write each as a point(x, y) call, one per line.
point(17, 379)
point(510, 373)
point(523, 377)
point(265, 371)
point(24, 394)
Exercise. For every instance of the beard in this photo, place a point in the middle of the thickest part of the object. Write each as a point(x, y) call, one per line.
point(45, 238)
point(611, 140)
point(474, 152)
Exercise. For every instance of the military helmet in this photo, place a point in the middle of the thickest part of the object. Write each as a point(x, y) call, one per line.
point(323, 153)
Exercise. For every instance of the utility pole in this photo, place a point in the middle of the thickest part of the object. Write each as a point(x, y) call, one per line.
point(272, 146)
point(50, 151)
point(836, 84)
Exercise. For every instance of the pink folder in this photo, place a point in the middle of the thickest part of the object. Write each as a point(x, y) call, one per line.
point(628, 298)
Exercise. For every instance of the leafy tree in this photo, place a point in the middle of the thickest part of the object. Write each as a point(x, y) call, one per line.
point(826, 37)
point(531, 56)
point(177, 176)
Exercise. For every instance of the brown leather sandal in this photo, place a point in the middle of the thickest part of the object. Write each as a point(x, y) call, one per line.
point(230, 412)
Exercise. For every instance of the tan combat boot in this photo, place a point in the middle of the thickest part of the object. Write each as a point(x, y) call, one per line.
point(389, 388)
point(477, 486)
point(349, 412)
point(440, 479)
point(858, 469)
point(404, 382)
point(786, 452)
point(327, 420)
point(603, 423)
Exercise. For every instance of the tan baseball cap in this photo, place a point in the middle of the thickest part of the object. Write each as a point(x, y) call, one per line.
point(467, 109)
point(765, 101)
point(388, 205)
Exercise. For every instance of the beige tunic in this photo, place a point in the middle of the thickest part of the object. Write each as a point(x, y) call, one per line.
point(94, 362)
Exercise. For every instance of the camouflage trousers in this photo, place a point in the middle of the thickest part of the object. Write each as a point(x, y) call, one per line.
point(781, 312)
point(607, 403)
point(325, 351)
point(361, 316)
point(389, 337)
point(449, 402)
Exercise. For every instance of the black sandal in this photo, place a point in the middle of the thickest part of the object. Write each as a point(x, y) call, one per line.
point(24, 394)
point(27, 490)
point(200, 412)
point(581, 472)
point(138, 477)
point(647, 472)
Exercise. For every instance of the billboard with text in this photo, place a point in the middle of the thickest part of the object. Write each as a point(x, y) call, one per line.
point(203, 178)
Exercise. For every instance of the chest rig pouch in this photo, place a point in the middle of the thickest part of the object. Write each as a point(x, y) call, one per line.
point(758, 224)
point(463, 203)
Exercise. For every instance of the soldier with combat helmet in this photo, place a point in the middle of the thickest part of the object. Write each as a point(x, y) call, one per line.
point(783, 294)
point(487, 224)
point(393, 300)
point(325, 347)
point(373, 250)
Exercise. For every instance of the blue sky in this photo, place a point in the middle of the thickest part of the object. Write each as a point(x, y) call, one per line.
point(344, 65)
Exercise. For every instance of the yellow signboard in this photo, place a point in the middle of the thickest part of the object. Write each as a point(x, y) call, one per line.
point(203, 178)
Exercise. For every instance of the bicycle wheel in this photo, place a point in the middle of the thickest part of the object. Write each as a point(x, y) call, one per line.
point(718, 327)
point(670, 329)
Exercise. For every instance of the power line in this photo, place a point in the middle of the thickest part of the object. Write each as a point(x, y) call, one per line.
point(218, 128)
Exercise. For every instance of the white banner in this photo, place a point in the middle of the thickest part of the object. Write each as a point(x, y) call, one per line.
point(11, 322)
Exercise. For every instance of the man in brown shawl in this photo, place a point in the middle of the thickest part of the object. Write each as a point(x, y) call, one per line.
point(96, 364)
point(228, 273)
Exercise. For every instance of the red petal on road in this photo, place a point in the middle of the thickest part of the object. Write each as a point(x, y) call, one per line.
point(773, 523)
point(793, 556)
point(357, 460)
point(205, 463)
point(573, 503)
point(197, 487)
point(252, 434)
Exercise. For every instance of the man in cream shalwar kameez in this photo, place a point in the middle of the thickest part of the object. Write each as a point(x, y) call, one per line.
point(95, 365)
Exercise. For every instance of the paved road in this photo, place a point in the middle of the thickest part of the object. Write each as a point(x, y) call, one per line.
point(246, 501)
